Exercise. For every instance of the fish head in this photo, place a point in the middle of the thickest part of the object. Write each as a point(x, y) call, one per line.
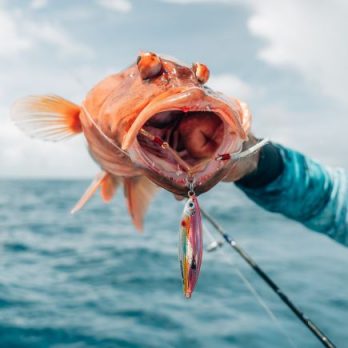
point(173, 126)
point(190, 209)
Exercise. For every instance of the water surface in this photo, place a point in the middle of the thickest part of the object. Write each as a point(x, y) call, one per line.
point(91, 281)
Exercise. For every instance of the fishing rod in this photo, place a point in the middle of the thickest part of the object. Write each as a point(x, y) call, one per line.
point(326, 342)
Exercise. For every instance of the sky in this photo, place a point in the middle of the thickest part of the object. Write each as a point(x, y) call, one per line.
point(287, 59)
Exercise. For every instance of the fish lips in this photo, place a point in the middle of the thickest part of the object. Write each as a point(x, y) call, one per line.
point(163, 170)
point(182, 188)
point(187, 99)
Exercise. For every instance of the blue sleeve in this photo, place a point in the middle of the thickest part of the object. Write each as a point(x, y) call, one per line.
point(315, 195)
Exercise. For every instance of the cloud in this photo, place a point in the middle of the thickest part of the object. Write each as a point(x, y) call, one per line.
point(231, 85)
point(20, 34)
point(21, 156)
point(38, 158)
point(11, 41)
point(308, 36)
point(54, 36)
point(184, 2)
point(117, 5)
point(38, 4)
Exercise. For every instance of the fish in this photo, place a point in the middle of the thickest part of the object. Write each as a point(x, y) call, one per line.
point(142, 126)
point(190, 245)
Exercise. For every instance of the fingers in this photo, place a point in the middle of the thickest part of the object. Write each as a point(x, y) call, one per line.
point(244, 166)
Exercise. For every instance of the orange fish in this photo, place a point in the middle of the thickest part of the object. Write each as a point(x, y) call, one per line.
point(153, 124)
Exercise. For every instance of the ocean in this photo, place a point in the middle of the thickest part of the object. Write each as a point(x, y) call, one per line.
point(91, 280)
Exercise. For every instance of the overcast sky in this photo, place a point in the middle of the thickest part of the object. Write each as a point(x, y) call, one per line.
point(287, 59)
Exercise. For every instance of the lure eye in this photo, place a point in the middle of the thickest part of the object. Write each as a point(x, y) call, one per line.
point(191, 205)
point(201, 71)
point(149, 65)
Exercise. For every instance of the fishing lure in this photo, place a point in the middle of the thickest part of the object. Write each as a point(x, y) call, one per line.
point(190, 244)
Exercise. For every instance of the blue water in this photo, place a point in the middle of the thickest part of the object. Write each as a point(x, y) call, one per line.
point(91, 281)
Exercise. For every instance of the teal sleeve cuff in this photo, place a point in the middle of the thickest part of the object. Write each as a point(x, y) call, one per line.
point(270, 166)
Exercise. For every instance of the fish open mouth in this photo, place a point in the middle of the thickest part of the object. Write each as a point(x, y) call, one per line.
point(194, 136)
point(177, 140)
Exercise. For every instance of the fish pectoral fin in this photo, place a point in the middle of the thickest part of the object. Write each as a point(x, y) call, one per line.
point(138, 192)
point(107, 183)
point(47, 117)
point(108, 187)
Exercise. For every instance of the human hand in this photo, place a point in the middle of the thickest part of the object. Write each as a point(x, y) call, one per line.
point(246, 165)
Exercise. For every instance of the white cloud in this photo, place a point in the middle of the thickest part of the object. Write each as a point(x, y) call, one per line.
point(305, 131)
point(51, 35)
point(231, 85)
point(38, 4)
point(117, 5)
point(19, 34)
point(309, 36)
point(304, 36)
point(11, 41)
point(202, 1)
point(21, 156)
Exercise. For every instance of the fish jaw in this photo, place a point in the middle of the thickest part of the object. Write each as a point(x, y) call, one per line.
point(186, 99)
point(190, 245)
point(160, 165)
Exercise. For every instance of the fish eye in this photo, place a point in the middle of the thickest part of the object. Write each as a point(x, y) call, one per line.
point(191, 206)
point(201, 71)
point(149, 65)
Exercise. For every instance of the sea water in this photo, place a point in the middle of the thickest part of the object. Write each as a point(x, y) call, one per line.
point(91, 280)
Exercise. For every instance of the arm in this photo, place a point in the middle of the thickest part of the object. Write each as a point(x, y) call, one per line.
point(292, 184)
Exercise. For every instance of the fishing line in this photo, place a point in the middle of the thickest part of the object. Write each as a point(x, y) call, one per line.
point(326, 342)
point(110, 141)
point(89, 116)
point(214, 244)
point(155, 139)
point(235, 156)
point(252, 290)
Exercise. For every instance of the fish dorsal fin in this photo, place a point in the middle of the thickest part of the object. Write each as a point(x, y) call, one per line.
point(107, 184)
point(138, 192)
point(47, 117)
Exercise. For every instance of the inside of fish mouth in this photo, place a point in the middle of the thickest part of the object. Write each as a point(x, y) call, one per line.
point(194, 135)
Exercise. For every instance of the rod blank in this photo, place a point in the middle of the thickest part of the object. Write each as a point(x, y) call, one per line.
point(326, 342)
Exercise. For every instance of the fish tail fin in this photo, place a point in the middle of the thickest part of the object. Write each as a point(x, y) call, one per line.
point(107, 184)
point(47, 117)
point(138, 192)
